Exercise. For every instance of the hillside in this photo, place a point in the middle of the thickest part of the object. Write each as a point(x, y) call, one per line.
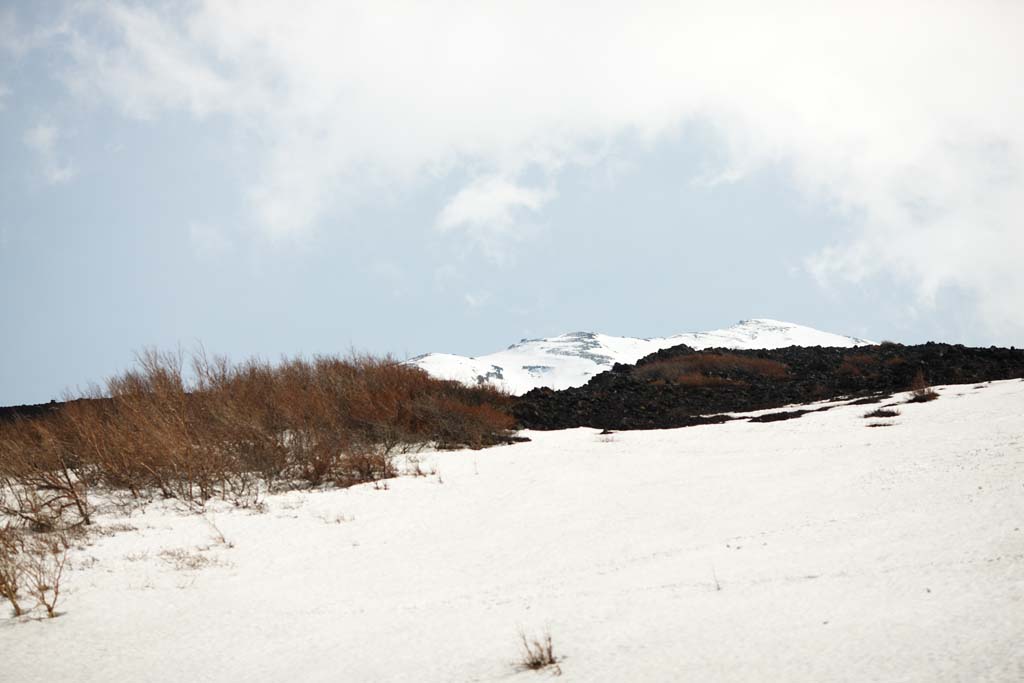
point(806, 550)
point(570, 360)
point(682, 386)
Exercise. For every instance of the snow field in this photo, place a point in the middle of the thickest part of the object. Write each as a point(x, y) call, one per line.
point(813, 549)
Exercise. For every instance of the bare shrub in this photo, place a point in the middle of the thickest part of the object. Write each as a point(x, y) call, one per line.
point(538, 653)
point(41, 482)
point(47, 557)
point(32, 565)
point(359, 467)
point(451, 421)
point(920, 390)
point(241, 413)
point(26, 505)
point(235, 431)
point(12, 568)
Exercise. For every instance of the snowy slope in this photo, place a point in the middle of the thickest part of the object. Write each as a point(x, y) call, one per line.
point(809, 550)
point(570, 360)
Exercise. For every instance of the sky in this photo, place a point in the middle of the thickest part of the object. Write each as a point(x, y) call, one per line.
point(270, 178)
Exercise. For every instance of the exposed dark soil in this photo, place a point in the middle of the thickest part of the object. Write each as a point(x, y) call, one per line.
point(680, 387)
point(870, 399)
point(882, 413)
point(786, 415)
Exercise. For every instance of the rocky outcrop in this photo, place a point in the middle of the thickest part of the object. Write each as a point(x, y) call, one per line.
point(680, 386)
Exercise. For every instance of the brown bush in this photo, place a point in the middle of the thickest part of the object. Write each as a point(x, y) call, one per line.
point(920, 390)
point(859, 365)
point(41, 482)
point(235, 431)
point(697, 379)
point(32, 564)
point(12, 569)
point(46, 558)
point(711, 369)
point(452, 422)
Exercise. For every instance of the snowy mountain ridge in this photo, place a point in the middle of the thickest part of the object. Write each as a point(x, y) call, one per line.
point(571, 359)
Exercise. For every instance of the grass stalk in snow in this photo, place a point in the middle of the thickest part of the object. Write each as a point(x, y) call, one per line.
point(538, 653)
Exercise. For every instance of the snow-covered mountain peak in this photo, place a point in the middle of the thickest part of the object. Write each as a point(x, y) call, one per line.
point(571, 344)
point(765, 333)
point(572, 358)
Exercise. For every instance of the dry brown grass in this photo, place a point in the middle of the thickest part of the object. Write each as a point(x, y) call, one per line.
point(186, 559)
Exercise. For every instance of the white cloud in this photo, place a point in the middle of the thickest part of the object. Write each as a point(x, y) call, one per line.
point(42, 139)
point(150, 67)
point(487, 208)
point(908, 117)
point(5, 92)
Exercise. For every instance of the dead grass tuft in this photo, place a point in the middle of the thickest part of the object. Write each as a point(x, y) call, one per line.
point(184, 559)
point(538, 653)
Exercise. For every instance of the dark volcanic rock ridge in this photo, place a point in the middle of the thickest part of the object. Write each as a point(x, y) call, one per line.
point(680, 386)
